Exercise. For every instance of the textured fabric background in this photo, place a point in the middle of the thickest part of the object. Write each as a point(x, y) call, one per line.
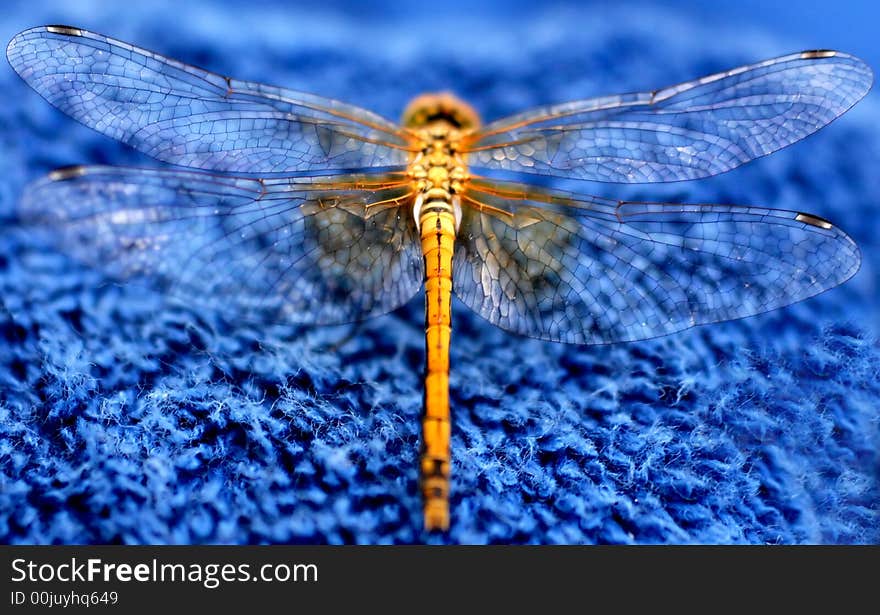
point(125, 417)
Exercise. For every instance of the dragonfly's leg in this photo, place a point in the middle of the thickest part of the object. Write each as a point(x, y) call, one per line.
point(438, 235)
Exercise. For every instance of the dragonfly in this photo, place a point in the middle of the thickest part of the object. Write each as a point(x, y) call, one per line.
point(281, 205)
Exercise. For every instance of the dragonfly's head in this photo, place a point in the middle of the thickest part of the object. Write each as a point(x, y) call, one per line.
point(440, 107)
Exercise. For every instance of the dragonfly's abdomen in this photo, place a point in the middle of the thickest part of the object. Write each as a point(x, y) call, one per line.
point(437, 225)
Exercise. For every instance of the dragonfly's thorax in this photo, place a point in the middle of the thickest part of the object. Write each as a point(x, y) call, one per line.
point(437, 168)
point(438, 163)
point(438, 171)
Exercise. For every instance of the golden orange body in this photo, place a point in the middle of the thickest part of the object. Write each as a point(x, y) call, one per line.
point(438, 172)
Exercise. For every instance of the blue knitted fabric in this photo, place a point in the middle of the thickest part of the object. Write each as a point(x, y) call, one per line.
point(127, 417)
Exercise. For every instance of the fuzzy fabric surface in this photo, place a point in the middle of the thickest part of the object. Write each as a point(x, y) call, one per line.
point(128, 418)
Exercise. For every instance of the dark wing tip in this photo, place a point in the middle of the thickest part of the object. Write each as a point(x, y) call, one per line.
point(65, 173)
point(812, 54)
point(814, 221)
point(66, 30)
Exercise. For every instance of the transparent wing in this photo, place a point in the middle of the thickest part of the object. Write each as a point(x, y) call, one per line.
point(586, 270)
point(308, 250)
point(191, 117)
point(692, 130)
